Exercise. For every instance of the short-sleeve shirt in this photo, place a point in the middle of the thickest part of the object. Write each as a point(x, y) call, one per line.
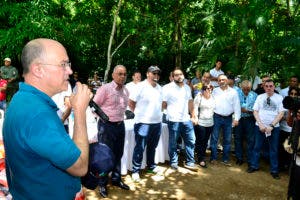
point(268, 110)
point(112, 100)
point(215, 73)
point(148, 103)
point(38, 150)
point(177, 99)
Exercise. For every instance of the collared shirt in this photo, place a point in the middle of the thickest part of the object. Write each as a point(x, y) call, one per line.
point(112, 101)
point(215, 73)
point(177, 99)
point(148, 103)
point(38, 150)
point(8, 72)
point(227, 102)
point(247, 102)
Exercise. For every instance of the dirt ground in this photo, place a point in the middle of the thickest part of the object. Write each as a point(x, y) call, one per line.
point(213, 183)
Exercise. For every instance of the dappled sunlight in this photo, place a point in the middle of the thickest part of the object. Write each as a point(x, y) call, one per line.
point(215, 182)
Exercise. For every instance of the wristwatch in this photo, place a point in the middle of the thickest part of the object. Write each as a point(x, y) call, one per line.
point(272, 125)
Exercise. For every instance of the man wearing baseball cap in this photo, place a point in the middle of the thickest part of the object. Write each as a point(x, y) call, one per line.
point(9, 73)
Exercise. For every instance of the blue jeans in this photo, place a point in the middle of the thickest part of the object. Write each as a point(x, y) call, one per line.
point(226, 124)
point(272, 141)
point(244, 131)
point(202, 135)
point(113, 135)
point(186, 130)
point(145, 134)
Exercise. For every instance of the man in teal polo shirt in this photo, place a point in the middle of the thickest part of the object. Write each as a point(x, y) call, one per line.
point(42, 161)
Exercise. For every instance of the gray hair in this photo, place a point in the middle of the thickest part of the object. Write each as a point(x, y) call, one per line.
point(33, 50)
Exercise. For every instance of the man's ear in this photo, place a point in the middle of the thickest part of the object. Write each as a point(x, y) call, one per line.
point(37, 70)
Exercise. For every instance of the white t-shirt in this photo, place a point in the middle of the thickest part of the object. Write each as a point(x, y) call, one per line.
point(59, 99)
point(215, 73)
point(131, 86)
point(206, 108)
point(227, 102)
point(284, 92)
point(148, 103)
point(177, 99)
point(267, 113)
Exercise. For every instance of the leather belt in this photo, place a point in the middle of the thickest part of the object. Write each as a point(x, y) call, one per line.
point(223, 116)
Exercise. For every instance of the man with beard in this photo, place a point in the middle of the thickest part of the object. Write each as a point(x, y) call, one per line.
point(113, 99)
point(227, 104)
point(146, 102)
point(177, 100)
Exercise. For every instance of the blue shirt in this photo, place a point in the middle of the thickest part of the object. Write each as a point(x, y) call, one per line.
point(38, 150)
point(247, 102)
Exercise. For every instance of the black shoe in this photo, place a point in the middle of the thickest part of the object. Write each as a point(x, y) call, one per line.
point(121, 185)
point(275, 175)
point(251, 170)
point(239, 162)
point(103, 191)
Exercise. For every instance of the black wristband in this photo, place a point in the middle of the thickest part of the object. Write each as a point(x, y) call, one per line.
point(272, 125)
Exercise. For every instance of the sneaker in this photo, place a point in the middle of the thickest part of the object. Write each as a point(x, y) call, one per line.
point(153, 171)
point(227, 163)
point(135, 177)
point(174, 166)
point(191, 166)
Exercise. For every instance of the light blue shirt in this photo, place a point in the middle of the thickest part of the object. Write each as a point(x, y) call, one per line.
point(247, 102)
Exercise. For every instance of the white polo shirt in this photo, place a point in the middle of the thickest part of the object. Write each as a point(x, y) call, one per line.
point(148, 108)
point(177, 99)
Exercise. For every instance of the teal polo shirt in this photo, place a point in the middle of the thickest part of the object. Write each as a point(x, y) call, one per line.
point(38, 150)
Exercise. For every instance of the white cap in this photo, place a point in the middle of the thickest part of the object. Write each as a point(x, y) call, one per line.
point(7, 59)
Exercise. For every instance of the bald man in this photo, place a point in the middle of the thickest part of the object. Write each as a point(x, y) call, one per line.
point(42, 161)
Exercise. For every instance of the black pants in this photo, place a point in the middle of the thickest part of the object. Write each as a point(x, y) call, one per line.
point(294, 184)
point(113, 135)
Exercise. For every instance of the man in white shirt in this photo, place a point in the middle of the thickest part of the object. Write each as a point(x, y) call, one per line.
point(215, 72)
point(136, 78)
point(177, 100)
point(268, 111)
point(292, 83)
point(227, 104)
point(146, 102)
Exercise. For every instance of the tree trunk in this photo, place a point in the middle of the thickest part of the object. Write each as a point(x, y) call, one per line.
point(112, 34)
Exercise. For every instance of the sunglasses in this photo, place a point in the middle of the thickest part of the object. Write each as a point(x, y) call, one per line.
point(268, 101)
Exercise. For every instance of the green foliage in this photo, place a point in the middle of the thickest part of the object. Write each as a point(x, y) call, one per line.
point(252, 37)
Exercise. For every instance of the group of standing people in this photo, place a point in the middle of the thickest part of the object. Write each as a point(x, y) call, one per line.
point(34, 138)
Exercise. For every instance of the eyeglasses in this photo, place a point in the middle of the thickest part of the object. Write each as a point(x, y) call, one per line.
point(268, 101)
point(268, 86)
point(156, 73)
point(122, 74)
point(64, 65)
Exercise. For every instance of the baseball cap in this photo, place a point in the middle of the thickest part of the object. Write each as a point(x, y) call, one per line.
point(153, 69)
point(7, 59)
